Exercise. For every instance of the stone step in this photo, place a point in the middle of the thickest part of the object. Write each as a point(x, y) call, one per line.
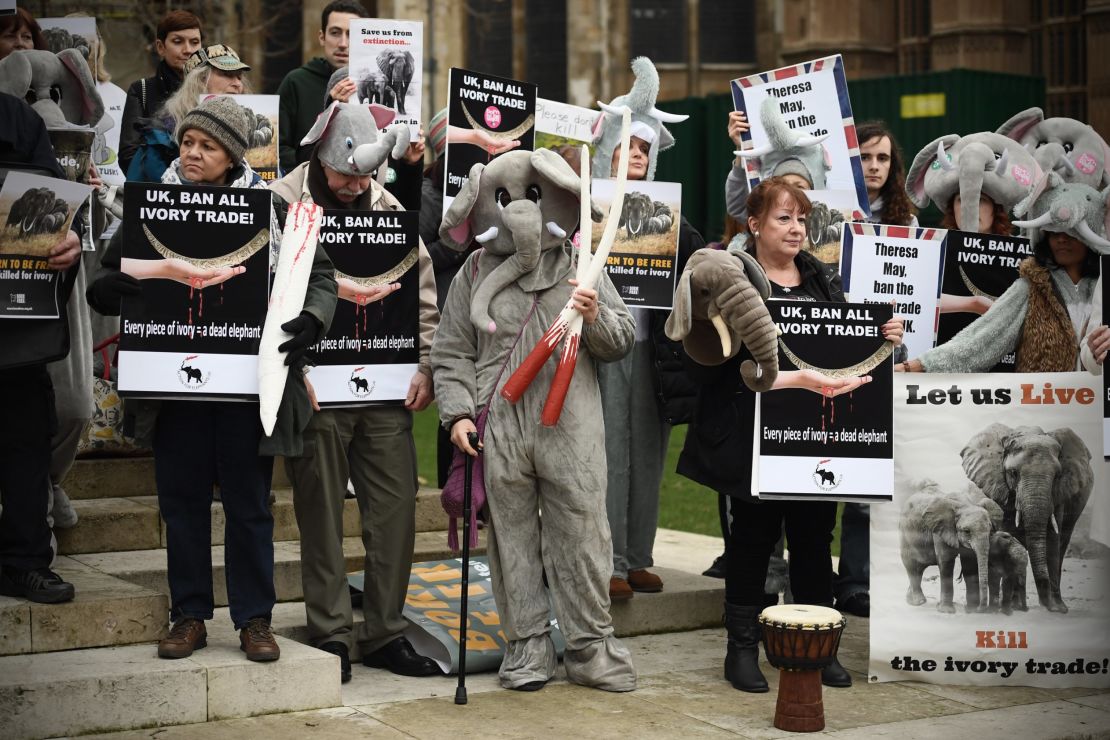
point(147, 568)
point(687, 602)
point(133, 523)
point(106, 611)
point(124, 477)
point(122, 688)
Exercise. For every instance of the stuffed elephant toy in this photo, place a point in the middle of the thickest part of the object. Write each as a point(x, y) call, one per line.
point(1071, 207)
point(1069, 147)
point(354, 138)
point(936, 529)
point(38, 211)
point(1009, 561)
point(59, 86)
point(397, 69)
point(518, 206)
point(969, 166)
point(718, 307)
point(641, 216)
point(1042, 480)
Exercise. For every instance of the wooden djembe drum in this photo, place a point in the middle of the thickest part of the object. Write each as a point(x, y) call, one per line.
point(800, 640)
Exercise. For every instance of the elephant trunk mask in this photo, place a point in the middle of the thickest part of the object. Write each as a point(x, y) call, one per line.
point(523, 221)
point(974, 161)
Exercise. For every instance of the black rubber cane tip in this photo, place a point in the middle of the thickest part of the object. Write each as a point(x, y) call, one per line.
point(460, 695)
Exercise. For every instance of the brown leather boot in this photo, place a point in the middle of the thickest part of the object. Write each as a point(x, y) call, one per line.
point(257, 640)
point(185, 636)
point(645, 581)
point(619, 590)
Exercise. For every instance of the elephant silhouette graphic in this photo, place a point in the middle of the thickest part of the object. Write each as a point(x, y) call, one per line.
point(828, 478)
point(360, 384)
point(191, 373)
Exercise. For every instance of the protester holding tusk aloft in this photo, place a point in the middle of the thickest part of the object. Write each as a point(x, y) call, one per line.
point(199, 443)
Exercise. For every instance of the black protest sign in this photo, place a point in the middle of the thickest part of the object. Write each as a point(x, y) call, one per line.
point(978, 268)
point(813, 445)
point(202, 256)
point(485, 115)
point(372, 348)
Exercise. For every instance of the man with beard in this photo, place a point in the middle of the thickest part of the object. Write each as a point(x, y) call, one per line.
point(371, 446)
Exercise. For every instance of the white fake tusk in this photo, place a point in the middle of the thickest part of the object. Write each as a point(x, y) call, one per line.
point(1042, 220)
point(665, 117)
point(585, 222)
point(488, 234)
point(609, 235)
point(810, 140)
point(942, 157)
point(722, 331)
point(1066, 162)
point(1000, 165)
point(758, 151)
point(555, 230)
point(613, 110)
point(1090, 236)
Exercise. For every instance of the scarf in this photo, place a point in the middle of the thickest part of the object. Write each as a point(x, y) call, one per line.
point(1048, 342)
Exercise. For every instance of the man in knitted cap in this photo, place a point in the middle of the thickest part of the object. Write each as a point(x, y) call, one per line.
point(371, 446)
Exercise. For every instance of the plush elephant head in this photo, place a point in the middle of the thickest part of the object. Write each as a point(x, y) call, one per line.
point(518, 206)
point(969, 166)
point(347, 137)
point(641, 101)
point(1070, 207)
point(1071, 148)
point(788, 151)
point(38, 211)
point(720, 305)
point(59, 86)
point(1042, 481)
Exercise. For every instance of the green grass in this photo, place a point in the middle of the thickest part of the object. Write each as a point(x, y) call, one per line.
point(683, 504)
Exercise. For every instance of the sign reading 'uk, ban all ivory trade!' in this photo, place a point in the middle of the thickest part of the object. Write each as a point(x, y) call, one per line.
point(372, 349)
point(810, 442)
point(986, 569)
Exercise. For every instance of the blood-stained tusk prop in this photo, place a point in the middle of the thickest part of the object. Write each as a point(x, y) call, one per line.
point(722, 331)
point(519, 381)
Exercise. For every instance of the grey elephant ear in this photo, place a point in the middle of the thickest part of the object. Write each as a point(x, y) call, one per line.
point(91, 108)
point(681, 319)
point(555, 168)
point(983, 461)
point(915, 178)
point(756, 275)
point(939, 517)
point(1021, 124)
point(455, 229)
point(321, 125)
point(15, 74)
point(1076, 477)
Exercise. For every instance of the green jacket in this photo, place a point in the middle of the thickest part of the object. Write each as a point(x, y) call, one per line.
point(302, 98)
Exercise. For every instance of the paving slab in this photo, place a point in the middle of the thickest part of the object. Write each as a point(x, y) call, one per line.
point(339, 723)
point(15, 626)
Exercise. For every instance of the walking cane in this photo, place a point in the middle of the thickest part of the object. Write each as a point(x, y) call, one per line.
point(460, 691)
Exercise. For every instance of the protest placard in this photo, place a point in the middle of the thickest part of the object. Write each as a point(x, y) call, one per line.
point(899, 264)
point(812, 98)
point(386, 65)
point(36, 212)
point(830, 213)
point(642, 263)
point(970, 455)
point(978, 268)
point(202, 257)
point(810, 445)
point(486, 116)
point(372, 350)
point(73, 150)
point(262, 155)
point(564, 128)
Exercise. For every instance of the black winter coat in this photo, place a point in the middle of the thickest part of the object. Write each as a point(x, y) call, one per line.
point(159, 88)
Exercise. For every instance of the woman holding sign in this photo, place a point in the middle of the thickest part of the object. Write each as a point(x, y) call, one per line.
point(199, 443)
point(718, 449)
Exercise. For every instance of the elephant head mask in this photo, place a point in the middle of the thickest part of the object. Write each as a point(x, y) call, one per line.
point(718, 306)
point(518, 206)
point(347, 137)
point(788, 151)
point(1042, 481)
point(978, 164)
point(1069, 207)
point(1069, 147)
point(59, 86)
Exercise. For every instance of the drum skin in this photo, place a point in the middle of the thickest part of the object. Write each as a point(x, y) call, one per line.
point(800, 637)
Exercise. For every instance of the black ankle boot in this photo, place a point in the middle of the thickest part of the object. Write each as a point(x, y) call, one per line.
point(742, 658)
point(835, 675)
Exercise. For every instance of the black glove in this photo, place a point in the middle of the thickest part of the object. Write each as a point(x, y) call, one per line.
point(305, 328)
point(112, 287)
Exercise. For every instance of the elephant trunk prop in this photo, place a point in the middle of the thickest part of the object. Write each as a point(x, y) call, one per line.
point(519, 381)
point(1034, 514)
point(757, 331)
point(394, 142)
point(523, 220)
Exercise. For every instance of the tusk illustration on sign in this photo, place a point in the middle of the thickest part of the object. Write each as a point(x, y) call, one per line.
point(391, 275)
point(238, 257)
point(509, 135)
point(973, 288)
point(853, 371)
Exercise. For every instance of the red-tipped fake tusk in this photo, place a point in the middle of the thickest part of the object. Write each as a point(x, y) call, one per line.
point(523, 376)
point(553, 407)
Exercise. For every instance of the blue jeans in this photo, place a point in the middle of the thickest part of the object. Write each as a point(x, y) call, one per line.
point(197, 444)
point(854, 574)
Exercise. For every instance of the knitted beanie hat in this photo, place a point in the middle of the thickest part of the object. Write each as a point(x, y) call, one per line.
point(437, 132)
point(225, 121)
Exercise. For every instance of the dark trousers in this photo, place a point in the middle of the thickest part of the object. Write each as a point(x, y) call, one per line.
point(196, 444)
point(27, 424)
point(854, 575)
point(756, 527)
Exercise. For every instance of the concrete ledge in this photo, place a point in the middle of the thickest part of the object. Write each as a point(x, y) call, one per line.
point(110, 477)
point(110, 524)
point(15, 626)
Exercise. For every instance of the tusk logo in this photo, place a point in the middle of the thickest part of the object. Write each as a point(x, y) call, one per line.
point(825, 476)
point(359, 386)
point(191, 375)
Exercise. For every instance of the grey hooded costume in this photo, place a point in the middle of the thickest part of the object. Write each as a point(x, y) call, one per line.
point(528, 466)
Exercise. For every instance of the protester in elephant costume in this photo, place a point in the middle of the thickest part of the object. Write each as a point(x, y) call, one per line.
point(647, 392)
point(520, 208)
point(370, 445)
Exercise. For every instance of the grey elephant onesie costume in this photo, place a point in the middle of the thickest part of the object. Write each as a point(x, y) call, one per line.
point(530, 467)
